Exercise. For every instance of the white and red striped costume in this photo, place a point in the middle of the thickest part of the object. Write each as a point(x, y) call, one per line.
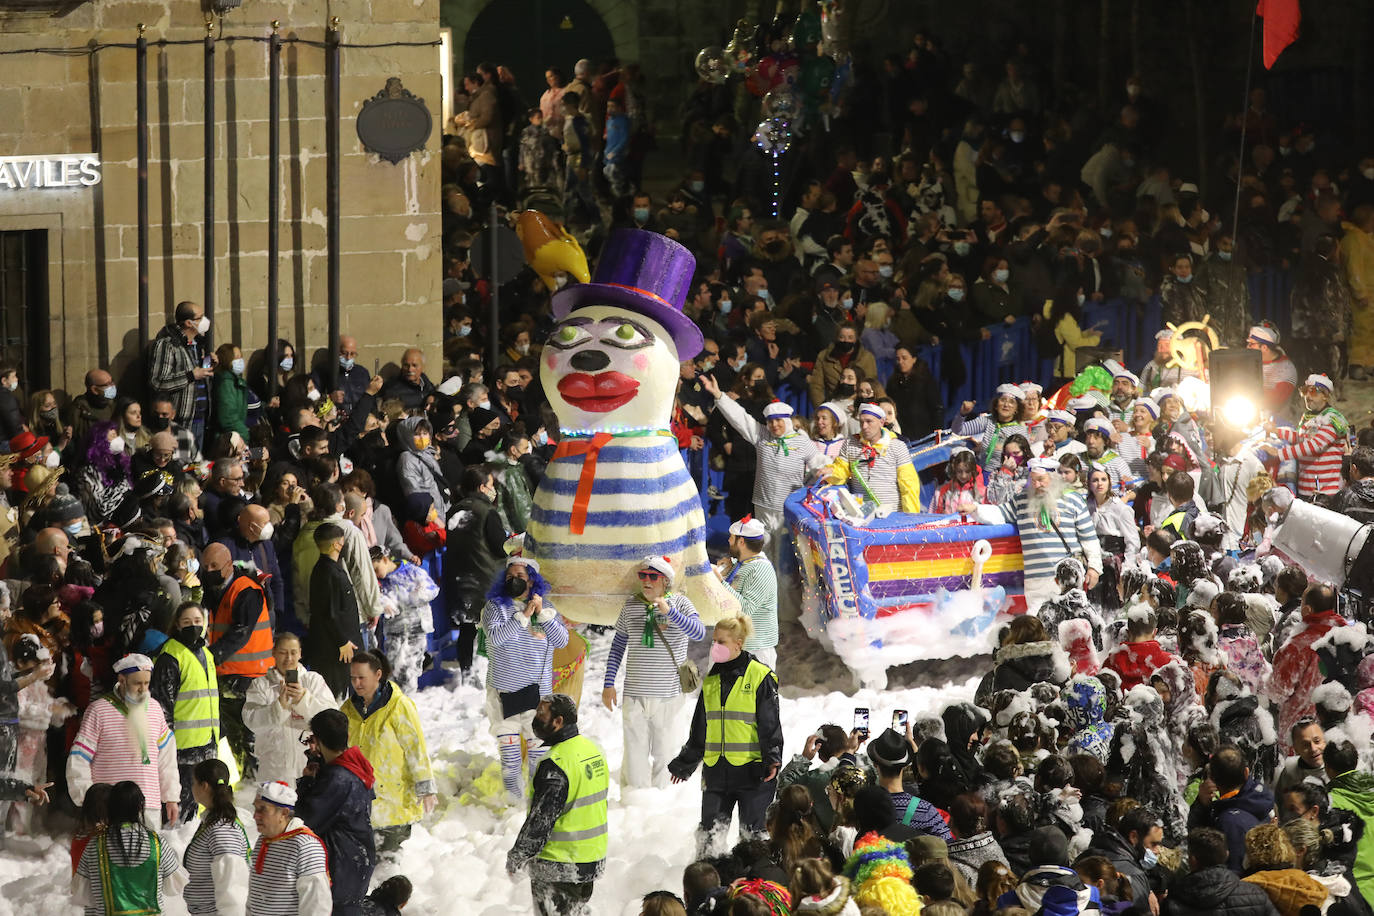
point(105, 752)
point(1318, 444)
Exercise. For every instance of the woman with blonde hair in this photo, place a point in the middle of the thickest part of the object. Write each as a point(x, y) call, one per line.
point(737, 735)
point(1274, 865)
point(878, 339)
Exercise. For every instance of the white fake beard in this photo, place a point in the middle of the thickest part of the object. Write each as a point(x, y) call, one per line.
point(1048, 501)
point(137, 720)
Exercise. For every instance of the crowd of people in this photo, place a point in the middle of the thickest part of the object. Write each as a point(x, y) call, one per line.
point(234, 573)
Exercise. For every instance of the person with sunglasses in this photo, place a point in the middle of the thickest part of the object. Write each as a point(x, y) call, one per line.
point(651, 636)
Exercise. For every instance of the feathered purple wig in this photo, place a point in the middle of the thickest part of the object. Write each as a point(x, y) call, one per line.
point(113, 468)
point(497, 593)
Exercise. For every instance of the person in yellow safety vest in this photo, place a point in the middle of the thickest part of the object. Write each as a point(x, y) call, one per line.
point(564, 838)
point(184, 683)
point(737, 734)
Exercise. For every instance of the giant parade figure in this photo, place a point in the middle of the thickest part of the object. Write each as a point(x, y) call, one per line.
point(617, 490)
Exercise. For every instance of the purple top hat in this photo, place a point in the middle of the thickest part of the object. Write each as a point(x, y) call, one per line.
point(646, 273)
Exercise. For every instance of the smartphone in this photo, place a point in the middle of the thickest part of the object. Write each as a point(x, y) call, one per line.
point(899, 720)
point(292, 675)
point(861, 721)
point(376, 367)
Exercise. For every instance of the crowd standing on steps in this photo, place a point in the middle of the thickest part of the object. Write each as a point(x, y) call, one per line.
point(261, 538)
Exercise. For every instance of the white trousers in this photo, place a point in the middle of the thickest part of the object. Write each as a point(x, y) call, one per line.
point(650, 742)
point(1038, 591)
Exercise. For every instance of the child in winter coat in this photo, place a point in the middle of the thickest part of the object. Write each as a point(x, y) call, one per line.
point(407, 591)
point(537, 148)
point(816, 890)
point(1140, 655)
point(1240, 650)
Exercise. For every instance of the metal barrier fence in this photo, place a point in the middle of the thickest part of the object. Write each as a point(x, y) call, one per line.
point(1010, 353)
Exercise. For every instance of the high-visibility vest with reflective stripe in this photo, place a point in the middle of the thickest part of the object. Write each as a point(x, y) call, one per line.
point(1175, 521)
point(255, 657)
point(579, 834)
point(732, 727)
point(195, 717)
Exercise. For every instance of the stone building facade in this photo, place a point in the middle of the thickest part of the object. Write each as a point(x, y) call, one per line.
point(82, 287)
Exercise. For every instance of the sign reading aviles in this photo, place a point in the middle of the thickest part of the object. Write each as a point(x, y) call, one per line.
point(36, 173)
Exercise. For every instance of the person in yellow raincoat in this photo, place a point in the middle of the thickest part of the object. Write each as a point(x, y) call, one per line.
point(877, 465)
point(1357, 255)
point(384, 724)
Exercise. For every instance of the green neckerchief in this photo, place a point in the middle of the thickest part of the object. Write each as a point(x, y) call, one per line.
point(650, 617)
point(1333, 416)
point(780, 443)
point(627, 434)
point(123, 708)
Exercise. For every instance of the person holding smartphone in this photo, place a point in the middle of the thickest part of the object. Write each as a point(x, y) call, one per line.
point(278, 710)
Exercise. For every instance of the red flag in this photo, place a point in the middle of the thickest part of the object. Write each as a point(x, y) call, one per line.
point(1281, 21)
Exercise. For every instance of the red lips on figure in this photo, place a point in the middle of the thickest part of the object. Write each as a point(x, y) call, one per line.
point(598, 393)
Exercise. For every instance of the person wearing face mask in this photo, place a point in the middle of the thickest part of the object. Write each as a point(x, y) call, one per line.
point(737, 735)
point(240, 638)
point(180, 366)
point(122, 737)
point(249, 542)
point(834, 359)
point(94, 405)
point(11, 414)
point(417, 468)
point(523, 629)
point(104, 483)
point(1181, 298)
point(185, 685)
point(1221, 283)
point(564, 838)
point(231, 391)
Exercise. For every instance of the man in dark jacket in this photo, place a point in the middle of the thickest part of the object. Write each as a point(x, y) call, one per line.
point(1128, 846)
point(562, 870)
point(1230, 801)
point(334, 798)
point(1356, 498)
point(1211, 888)
point(412, 386)
point(474, 556)
point(251, 542)
point(335, 631)
point(1051, 887)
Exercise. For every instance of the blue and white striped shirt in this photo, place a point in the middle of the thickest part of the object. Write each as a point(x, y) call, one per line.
point(1041, 546)
point(517, 656)
point(651, 672)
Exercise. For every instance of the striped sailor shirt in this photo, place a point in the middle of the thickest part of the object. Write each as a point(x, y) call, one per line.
point(216, 863)
point(781, 460)
point(289, 874)
point(987, 435)
point(520, 654)
point(650, 671)
point(1042, 547)
point(756, 583)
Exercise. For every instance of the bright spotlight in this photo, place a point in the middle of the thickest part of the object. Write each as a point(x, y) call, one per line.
point(1240, 412)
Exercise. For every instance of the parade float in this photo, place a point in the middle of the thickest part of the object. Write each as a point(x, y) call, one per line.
point(887, 589)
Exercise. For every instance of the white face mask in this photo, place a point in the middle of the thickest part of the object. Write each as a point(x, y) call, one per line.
point(560, 281)
point(12, 384)
point(54, 459)
point(117, 445)
point(202, 325)
point(312, 395)
point(266, 533)
point(485, 405)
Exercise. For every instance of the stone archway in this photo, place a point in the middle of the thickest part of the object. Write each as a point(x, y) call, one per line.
point(620, 16)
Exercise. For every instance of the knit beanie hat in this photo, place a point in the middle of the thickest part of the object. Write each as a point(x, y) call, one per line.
point(63, 509)
point(774, 896)
point(893, 896)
